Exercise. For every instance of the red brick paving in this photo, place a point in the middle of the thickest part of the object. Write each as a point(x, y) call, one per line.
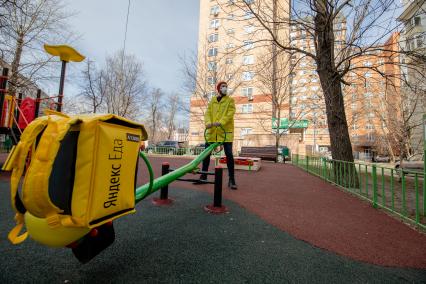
point(317, 212)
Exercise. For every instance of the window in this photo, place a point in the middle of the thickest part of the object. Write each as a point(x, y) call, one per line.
point(368, 95)
point(314, 88)
point(247, 92)
point(369, 126)
point(367, 74)
point(214, 24)
point(370, 114)
point(212, 65)
point(368, 64)
point(230, 2)
point(230, 16)
point(230, 31)
point(248, 44)
point(213, 37)
point(370, 136)
point(354, 126)
point(248, 75)
point(212, 51)
point(353, 106)
point(245, 131)
point(248, 15)
point(228, 61)
point(247, 108)
point(249, 1)
point(354, 96)
point(214, 10)
point(211, 80)
point(416, 21)
point(249, 29)
point(229, 76)
point(230, 45)
point(419, 41)
point(248, 59)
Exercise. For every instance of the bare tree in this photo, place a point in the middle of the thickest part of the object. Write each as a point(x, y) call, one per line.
point(28, 25)
point(154, 116)
point(93, 87)
point(122, 85)
point(172, 106)
point(274, 74)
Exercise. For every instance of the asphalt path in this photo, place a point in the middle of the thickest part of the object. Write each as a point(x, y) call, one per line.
point(183, 244)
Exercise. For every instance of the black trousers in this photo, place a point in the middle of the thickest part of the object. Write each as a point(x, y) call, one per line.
point(227, 147)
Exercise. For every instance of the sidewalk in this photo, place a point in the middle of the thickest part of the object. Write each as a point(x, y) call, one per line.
point(317, 212)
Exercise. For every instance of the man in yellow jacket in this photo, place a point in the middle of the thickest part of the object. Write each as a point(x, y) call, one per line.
point(219, 117)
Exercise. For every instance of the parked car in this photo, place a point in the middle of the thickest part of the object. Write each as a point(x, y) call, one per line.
point(197, 149)
point(169, 147)
point(414, 163)
point(380, 159)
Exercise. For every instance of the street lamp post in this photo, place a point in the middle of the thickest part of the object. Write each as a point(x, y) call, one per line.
point(66, 53)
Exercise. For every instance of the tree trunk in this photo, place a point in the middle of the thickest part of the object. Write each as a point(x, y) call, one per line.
point(341, 147)
point(15, 65)
point(340, 142)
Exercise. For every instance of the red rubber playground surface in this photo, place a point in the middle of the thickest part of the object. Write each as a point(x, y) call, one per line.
point(317, 212)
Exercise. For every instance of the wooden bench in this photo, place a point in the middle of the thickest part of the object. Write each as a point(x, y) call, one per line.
point(265, 153)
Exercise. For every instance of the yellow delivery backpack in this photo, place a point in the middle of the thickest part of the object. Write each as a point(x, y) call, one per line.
point(81, 175)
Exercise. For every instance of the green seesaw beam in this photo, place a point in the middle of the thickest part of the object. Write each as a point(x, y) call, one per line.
point(156, 184)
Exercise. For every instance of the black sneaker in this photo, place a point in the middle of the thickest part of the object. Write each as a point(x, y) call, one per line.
point(232, 185)
point(202, 180)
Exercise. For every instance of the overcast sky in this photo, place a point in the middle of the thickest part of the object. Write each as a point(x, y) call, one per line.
point(158, 32)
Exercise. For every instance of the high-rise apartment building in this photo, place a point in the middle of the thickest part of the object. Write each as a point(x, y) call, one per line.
point(233, 47)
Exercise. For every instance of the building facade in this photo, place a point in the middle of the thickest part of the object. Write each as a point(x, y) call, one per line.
point(231, 49)
point(413, 43)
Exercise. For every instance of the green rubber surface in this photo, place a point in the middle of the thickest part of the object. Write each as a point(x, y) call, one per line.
point(183, 244)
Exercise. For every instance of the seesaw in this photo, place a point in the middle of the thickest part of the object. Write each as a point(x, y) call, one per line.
point(79, 176)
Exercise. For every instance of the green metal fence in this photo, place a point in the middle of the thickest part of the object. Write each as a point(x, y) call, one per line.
point(402, 193)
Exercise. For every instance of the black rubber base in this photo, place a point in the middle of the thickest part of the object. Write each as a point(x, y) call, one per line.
point(94, 242)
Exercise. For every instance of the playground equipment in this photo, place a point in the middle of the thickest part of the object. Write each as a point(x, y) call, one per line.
point(242, 163)
point(81, 176)
point(79, 171)
point(66, 53)
point(17, 113)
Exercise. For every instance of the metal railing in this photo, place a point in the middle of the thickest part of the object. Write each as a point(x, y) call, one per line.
point(401, 192)
point(171, 151)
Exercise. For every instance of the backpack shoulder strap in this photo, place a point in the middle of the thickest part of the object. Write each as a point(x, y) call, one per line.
point(36, 182)
point(16, 163)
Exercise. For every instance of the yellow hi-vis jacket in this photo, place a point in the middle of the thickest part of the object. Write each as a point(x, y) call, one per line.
point(222, 112)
